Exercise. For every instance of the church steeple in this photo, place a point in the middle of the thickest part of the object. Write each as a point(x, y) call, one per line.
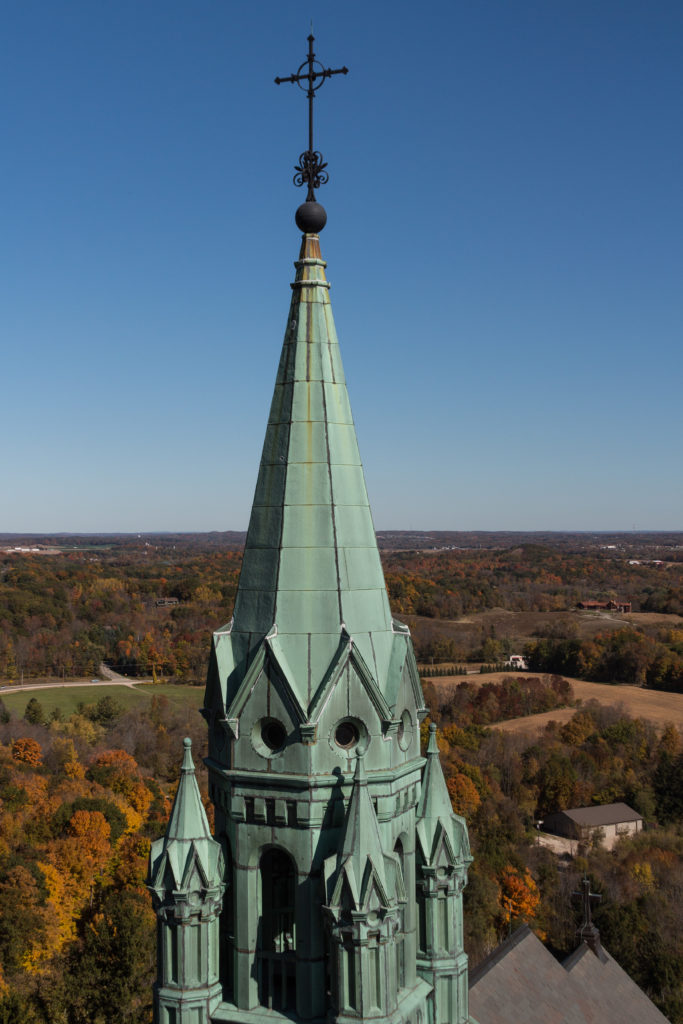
point(314, 706)
point(311, 671)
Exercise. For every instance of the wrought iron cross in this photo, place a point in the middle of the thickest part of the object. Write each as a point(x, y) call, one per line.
point(586, 895)
point(311, 167)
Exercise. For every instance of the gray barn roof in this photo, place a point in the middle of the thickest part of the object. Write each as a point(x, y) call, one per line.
point(602, 814)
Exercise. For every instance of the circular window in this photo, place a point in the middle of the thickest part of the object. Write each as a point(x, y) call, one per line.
point(268, 737)
point(405, 730)
point(349, 735)
point(346, 735)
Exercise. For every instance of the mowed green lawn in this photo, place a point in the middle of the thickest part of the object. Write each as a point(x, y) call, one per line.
point(67, 698)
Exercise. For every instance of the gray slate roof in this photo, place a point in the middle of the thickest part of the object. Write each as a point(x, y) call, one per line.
point(602, 814)
point(522, 981)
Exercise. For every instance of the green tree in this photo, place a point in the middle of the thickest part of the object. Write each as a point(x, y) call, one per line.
point(111, 967)
point(34, 713)
point(557, 779)
point(20, 917)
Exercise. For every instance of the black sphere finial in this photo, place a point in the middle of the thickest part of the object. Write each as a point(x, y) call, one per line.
point(311, 217)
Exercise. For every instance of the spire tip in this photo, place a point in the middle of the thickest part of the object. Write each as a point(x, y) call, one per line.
point(432, 746)
point(188, 763)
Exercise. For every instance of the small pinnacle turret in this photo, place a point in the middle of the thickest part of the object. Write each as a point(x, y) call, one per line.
point(443, 857)
point(186, 880)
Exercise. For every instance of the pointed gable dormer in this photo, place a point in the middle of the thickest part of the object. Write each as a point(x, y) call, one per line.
point(186, 880)
point(362, 863)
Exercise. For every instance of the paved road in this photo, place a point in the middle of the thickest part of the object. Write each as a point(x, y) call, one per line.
point(111, 678)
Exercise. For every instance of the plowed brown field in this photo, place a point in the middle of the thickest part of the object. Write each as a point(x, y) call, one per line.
point(655, 706)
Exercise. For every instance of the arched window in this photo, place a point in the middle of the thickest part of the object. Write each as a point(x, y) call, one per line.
point(227, 930)
point(277, 932)
point(400, 948)
point(421, 909)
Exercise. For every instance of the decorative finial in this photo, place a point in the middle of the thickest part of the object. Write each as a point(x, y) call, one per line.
point(311, 169)
point(432, 746)
point(188, 763)
point(360, 776)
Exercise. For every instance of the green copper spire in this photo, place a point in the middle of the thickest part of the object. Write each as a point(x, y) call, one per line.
point(311, 569)
point(333, 911)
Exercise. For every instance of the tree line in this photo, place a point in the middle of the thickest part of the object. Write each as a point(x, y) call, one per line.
point(503, 783)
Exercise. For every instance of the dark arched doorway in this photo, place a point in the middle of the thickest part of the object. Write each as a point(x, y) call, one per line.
point(276, 956)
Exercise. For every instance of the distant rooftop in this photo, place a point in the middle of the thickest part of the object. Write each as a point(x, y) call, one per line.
point(602, 814)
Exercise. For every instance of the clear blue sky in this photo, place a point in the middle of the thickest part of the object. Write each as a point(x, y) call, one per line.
point(504, 242)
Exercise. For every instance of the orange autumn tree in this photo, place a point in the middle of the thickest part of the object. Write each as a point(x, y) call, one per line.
point(519, 896)
point(27, 751)
point(89, 848)
point(80, 857)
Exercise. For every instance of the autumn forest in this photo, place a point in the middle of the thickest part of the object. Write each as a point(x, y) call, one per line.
point(87, 776)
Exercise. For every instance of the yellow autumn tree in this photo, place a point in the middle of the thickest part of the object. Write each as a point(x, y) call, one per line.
point(64, 902)
point(131, 861)
point(463, 794)
point(82, 855)
point(66, 755)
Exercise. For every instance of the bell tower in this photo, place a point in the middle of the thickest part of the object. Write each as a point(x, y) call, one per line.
point(314, 704)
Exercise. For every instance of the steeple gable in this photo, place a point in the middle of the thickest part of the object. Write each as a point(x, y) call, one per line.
point(362, 864)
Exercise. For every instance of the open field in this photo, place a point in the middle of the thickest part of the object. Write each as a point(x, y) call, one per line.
point(67, 698)
point(656, 706)
point(521, 627)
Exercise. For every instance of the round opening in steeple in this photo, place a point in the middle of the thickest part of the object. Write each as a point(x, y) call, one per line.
point(346, 734)
point(268, 737)
point(349, 736)
point(405, 730)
